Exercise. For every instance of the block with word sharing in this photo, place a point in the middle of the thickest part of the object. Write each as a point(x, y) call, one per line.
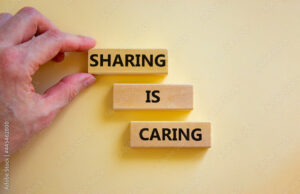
point(128, 61)
point(152, 96)
point(146, 134)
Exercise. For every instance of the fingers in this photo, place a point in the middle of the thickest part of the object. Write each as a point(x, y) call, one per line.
point(23, 26)
point(48, 45)
point(63, 92)
point(4, 17)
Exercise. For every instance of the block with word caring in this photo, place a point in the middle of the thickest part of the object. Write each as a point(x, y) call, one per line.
point(152, 96)
point(170, 134)
point(128, 61)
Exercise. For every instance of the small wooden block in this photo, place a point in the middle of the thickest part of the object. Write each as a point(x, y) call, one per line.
point(152, 96)
point(169, 134)
point(128, 61)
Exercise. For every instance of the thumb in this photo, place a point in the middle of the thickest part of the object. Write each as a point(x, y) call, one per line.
point(66, 89)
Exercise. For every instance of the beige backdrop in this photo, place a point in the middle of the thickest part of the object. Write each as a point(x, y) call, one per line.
point(243, 59)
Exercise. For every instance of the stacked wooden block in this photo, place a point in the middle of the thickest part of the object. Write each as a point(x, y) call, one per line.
point(150, 97)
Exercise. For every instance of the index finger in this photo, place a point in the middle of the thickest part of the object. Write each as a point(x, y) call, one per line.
point(23, 26)
point(46, 46)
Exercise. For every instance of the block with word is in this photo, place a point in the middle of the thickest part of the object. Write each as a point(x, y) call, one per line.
point(128, 61)
point(152, 96)
point(169, 134)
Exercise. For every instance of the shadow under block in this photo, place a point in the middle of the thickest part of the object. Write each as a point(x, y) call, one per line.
point(128, 61)
point(170, 134)
point(152, 97)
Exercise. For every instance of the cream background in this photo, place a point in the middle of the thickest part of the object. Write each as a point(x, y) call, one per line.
point(243, 59)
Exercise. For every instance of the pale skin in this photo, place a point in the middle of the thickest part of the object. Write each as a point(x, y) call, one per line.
point(27, 41)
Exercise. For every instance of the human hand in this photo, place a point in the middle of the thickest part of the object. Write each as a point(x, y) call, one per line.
point(28, 40)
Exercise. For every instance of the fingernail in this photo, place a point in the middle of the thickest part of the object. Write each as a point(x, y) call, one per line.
point(89, 80)
point(90, 39)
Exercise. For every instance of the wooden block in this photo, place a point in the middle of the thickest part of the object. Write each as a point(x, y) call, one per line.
point(128, 61)
point(169, 134)
point(152, 96)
